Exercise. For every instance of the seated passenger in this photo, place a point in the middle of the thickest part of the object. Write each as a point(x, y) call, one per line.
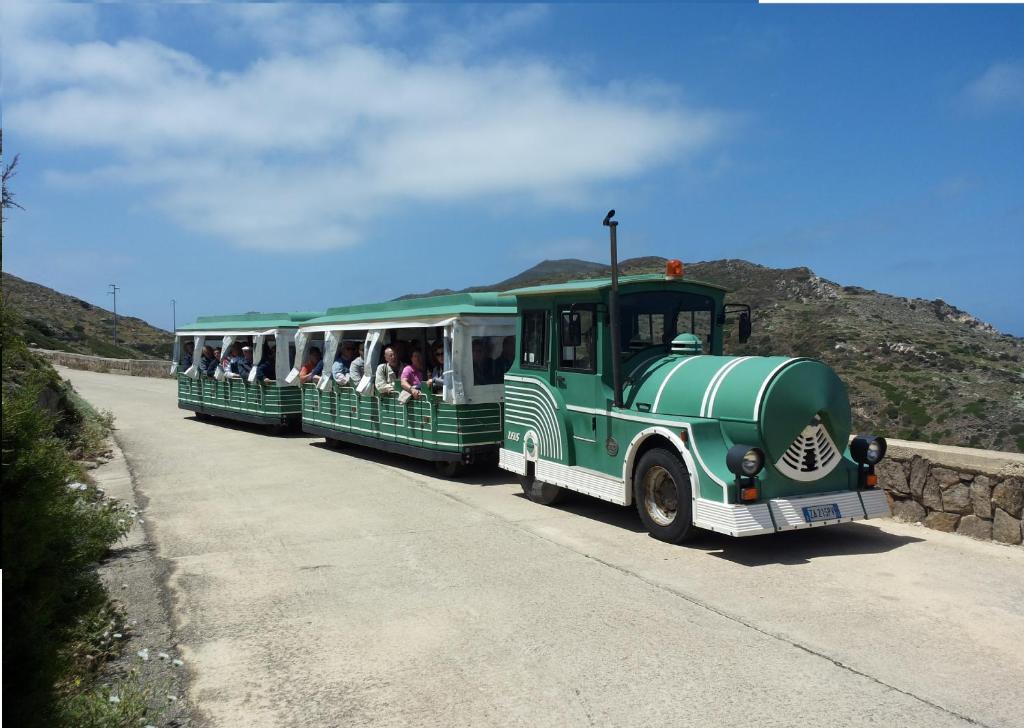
point(217, 361)
point(437, 371)
point(343, 362)
point(481, 364)
point(387, 373)
point(504, 362)
point(230, 360)
point(413, 375)
point(313, 367)
point(207, 361)
point(244, 364)
point(266, 371)
point(358, 367)
point(190, 347)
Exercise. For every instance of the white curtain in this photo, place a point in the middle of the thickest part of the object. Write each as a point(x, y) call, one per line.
point(371, 355)
point(193, 371)
point(457, 346)
point(331, 341)
point(257, 354)
point(301, 342)
point(225, 350)
point(281, 363)
point(176, 355)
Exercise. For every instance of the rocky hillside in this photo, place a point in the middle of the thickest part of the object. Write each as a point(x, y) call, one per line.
point(53, 320)
point(916, 369)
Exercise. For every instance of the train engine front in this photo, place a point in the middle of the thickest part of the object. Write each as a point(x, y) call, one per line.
point(767, 437)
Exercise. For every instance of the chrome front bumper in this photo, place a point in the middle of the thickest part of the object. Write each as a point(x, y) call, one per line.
point(786, 514)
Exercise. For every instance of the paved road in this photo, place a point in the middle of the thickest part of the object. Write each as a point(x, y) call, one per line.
point(322, 588)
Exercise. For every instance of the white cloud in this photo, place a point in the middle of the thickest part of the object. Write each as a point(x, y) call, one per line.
point(328, 132)
point(1001, 85)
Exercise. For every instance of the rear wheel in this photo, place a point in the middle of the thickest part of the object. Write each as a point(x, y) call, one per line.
point(539, 491)
point(661, 489)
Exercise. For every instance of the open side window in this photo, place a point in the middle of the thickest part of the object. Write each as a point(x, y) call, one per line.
point(534, 340)
point(577, 340)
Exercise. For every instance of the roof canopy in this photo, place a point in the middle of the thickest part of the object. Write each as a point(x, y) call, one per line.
point(430, 307)
point(597, 284)
point(247, 322)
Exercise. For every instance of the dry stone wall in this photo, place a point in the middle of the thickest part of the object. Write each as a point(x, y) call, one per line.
point(977, 493)
point(131, 367)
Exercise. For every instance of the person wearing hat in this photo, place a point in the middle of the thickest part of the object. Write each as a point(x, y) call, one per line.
point(244, 364)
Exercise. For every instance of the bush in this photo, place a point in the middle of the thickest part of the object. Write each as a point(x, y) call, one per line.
point(53, 536)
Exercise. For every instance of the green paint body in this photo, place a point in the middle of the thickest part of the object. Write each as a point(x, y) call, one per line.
point(716, 400)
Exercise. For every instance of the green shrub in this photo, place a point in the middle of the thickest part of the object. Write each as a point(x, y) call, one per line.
point(53, 536)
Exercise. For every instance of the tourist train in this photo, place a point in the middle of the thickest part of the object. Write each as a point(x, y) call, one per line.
point(616, 388)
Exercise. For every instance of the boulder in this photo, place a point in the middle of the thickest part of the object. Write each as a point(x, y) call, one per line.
point(932, 496)
point(981, 497)
point(942, 521)
point(892, 477)
point(1009, 495)
point(944, 476)
point(1006, 528)
point(918, 476)
point(957, 499)
point(975, 527)
point(908, 510)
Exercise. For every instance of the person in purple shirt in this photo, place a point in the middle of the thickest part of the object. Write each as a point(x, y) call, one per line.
point(413, 375)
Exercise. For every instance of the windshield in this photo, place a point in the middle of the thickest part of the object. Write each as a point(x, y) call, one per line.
point(655, 318)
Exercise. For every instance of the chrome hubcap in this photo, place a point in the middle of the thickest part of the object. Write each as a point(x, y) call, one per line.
point(660, 499)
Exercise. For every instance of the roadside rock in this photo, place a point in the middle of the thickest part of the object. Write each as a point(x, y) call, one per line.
point(918, 476)
point(981, 497)
point(892, 477)
point(944, 476)
point(932, 497)
point(975, 528)
point(1006, 528)
point(908, 510)
point(957, 499)
point(942, 521)
point(1009, 495)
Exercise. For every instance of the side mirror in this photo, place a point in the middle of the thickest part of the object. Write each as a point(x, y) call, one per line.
point(572, 330)
point(745, 327)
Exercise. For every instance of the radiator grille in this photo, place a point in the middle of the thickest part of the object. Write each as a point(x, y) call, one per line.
point(811, 456)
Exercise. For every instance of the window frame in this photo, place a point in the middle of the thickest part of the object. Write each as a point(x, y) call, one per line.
point(577, 308)
point(545, 344)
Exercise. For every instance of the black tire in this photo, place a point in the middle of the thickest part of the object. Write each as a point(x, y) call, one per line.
point(540, 492)
point(449, 468)
point(661, 490)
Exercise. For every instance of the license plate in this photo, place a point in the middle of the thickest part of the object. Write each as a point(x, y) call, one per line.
point(823, 512)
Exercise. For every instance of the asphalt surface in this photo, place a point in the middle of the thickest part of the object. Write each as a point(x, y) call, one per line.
point(318, 587)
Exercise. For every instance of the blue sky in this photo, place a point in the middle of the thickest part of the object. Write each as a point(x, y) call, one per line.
point(295, 157)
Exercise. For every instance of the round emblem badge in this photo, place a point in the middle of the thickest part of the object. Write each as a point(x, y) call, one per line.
point(612, 446)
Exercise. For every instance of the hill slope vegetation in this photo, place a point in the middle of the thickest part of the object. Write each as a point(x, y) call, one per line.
point(53, 320)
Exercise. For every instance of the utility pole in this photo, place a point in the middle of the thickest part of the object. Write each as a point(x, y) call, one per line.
point(174, 316)
point(113, 290)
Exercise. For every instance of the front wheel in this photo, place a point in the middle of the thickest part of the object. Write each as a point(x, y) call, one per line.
point(661, 489)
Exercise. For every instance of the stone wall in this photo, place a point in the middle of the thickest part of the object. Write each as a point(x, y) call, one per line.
point(131, 367)
point(977, 493)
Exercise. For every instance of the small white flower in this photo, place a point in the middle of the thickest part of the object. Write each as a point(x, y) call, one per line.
point(114, 699)
point(176, 662)
point(163, 656)
point(144, 654)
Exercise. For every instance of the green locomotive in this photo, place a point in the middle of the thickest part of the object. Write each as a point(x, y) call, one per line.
point(741, 445)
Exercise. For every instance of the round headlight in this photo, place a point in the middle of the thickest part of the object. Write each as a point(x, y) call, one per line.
point(867, 449)
point(744, 460)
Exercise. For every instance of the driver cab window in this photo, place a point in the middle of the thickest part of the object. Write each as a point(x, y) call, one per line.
point(577, 340)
